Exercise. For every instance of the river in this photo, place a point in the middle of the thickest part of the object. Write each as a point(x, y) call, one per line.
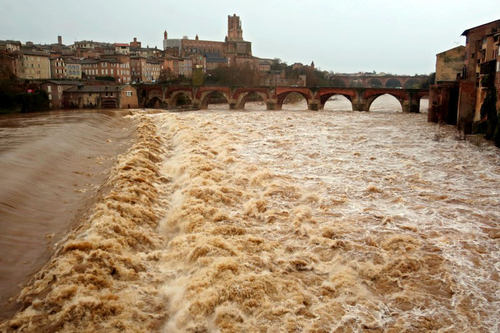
point(278, 221)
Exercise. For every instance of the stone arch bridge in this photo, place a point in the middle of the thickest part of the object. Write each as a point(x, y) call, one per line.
point(386, 81)
point(168, 97)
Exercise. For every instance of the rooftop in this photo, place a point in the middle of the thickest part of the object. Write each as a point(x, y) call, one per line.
point(215, 58)
point(97, 89)
point(466, 32)
point(65, 83)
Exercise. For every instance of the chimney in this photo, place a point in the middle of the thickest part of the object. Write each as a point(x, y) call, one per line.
point(59, 40)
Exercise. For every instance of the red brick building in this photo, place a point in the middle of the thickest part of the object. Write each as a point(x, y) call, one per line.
point(138, 68)
point(105, 96)
point(55, 91)
point(117, 67)
point(57, 68)
point(481, 65)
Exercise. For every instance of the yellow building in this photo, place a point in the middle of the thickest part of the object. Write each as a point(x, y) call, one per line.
point(33, 65)
point(449, 64)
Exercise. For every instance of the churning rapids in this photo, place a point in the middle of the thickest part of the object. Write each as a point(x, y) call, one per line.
point(252, 221)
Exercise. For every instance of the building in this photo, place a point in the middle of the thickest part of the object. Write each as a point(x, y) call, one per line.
point(55, 90)
point(480, 71)
point(9, 62)
point(32, 65)
point(234, 48)
point(444, 92)
point(153, 69)
point(171, 65)
point(449, 64)
point(73, 69)
point(458, 96)
point(214, 60)
point(113, 66)
point(186, 66)
point(138, 68)
point(104, 96)
point(10, 45)
point(265, 65)
point(122, 48)
point(57, 68)
point(135, 43)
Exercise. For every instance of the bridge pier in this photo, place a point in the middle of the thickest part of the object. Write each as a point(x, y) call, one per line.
point(314, 105)
point(197, 105)
point(359, 107)
point(272, 105)
point(233, 104)
point(411, 105)
point(359, 103)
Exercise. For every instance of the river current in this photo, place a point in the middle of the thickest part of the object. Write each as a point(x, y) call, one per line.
point(277, 221)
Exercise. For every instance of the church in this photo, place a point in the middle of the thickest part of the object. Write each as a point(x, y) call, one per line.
point(234, 49)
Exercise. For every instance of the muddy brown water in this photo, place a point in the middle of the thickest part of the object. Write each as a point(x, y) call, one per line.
point(51, 165)
point(283, 221)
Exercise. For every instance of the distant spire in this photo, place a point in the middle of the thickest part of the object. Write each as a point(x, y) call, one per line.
point(196, 38)
point(165, 35)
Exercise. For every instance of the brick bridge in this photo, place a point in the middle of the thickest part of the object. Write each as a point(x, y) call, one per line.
point(386, 81)
point(168, 97)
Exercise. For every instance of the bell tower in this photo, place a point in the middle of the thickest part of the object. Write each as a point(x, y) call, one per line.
point(234, 31)
point(165, 38)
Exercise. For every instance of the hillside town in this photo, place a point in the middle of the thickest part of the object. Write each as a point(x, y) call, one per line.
point(59, 69)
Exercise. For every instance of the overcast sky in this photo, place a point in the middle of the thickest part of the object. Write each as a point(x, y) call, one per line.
point(393, 36)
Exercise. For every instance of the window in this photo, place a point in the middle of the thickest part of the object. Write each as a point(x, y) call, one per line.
point(129, 93)
point(59, 88)
point(49, 89)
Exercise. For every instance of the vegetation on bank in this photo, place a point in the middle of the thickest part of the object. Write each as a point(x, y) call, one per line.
point(20, 96)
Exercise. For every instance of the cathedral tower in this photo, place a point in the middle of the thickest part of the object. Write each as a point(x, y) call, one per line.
point(234, 31)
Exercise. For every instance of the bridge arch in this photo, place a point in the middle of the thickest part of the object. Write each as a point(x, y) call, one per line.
point(155, 103)
point(207, 95)
point(412, 84)
point(149, 98)
point(423, 103)
point(156, 92)
point(393, 83)
point(374, 83)
point(342, 102)
point(245, 96)
point(399, 99)
point(337, 83)
point(180, 98)
point(281, 98)
point(356, 83)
